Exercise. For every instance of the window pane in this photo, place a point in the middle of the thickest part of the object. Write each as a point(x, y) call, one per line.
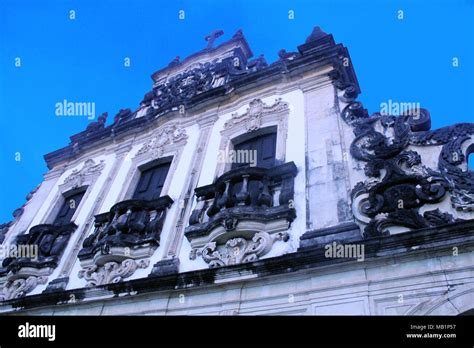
point(70, 204)
point(264, 147)
point(151, 182)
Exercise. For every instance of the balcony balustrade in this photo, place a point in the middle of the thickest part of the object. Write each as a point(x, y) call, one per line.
point(245, 210)
point(38, 251)
point(130, 227)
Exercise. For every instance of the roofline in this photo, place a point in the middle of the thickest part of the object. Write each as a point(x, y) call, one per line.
point(206, 51)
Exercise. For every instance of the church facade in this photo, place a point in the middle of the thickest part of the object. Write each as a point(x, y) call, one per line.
point(239, 187)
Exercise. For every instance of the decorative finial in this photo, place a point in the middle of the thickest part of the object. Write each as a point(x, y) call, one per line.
point(174, 62)
point(286, 55)
point(97, 125)
point(316, 34)
point(102, 118)
point(282, 53)
point(212, 37)
point(238, 34)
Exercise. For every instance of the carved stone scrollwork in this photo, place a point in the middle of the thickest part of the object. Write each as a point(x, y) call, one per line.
point(399, 184)
point(78, 177)
point(19, 287)
point(452, 138)
point(111, 272)
point(255, 112)
point(238, 250)
point(163, 137)
point(396, 198)
point(198, 79)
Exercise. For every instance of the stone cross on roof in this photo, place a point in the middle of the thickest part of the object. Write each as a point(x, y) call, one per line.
point(212, 37)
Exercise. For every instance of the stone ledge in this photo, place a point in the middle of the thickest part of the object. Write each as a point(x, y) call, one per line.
point(165, 267)
point(441, 238)
point(58, 284)
point(346, 232)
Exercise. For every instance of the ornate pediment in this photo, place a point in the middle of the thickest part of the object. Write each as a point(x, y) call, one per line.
point(165, 137)
point(252, 117)
point(89, 171)
point(209, 69)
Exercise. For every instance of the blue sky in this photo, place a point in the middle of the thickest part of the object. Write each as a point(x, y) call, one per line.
point(406, 60)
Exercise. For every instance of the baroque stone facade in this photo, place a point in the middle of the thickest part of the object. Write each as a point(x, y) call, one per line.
point(154, 212)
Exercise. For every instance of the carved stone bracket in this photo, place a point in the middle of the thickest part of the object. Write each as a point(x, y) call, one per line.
point(111, 272)
point(19, 287)
point(238, 250)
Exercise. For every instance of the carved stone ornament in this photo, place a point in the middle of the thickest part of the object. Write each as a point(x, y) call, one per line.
point(257, 109)
point(166, 135)
point(180, 89)
point(19, 287)
point(79, 176)
point(398, 183)
point(237, 250)
point(111, 272)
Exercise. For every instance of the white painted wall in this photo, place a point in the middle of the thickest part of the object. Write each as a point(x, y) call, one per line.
point(84, 208)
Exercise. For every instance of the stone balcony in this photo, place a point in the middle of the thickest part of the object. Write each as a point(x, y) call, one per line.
point(130, 227)
point(239, 216)
point(123, 240)
point(38, 253)
point(45, 244)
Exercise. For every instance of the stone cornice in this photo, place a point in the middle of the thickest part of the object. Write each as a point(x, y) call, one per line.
point(308, 60)
point(379, 250)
